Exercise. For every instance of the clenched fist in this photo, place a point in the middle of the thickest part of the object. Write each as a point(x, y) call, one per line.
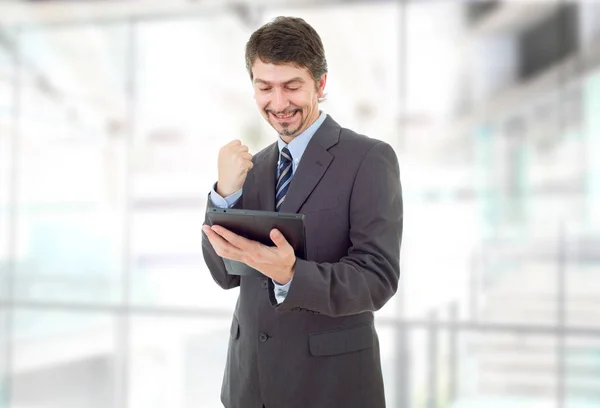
point(235, 161)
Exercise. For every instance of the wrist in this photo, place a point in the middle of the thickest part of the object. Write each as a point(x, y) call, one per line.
point(290, 274)
point(224, 191)
point(286, 278)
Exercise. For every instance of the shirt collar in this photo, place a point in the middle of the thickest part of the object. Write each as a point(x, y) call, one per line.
point(298, 144)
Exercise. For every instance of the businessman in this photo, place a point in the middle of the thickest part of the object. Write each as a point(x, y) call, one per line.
point(302, 336)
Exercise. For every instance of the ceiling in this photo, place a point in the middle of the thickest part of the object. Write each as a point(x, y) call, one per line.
point(18, 12)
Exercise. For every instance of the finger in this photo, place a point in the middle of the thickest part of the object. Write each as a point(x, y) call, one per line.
point(235, 142)
point(213, 239)
point(234, 239)
point(242, 148)
point(223, 248)
point(246, 165)
point(247, 156)
point(279, 240)
point(243, 160)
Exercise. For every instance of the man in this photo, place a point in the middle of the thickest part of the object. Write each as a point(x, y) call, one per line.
point(303, 335)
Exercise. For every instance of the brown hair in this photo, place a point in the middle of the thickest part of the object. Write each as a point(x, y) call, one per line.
point(287, 39)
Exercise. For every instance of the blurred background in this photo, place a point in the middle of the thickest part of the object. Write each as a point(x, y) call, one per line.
point(111, 116)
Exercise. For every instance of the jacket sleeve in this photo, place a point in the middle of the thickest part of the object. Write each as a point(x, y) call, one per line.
point(214, 262)
point(367, 277)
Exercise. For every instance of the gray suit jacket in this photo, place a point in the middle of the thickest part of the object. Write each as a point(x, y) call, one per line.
point(319, 348)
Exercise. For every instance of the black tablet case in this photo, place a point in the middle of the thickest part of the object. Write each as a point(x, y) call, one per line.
point(256, 225)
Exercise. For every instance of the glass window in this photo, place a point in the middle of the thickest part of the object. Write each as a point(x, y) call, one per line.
point(190, 100)
point(177, 362)
point(63, 359)
point(7, 74)
point(112, 150)
point(4, 357)
point(71, 163)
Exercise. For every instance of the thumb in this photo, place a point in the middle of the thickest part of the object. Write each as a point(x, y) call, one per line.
point(278, 239)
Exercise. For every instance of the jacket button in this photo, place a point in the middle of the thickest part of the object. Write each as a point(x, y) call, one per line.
point(263, 337)
point(265, 284)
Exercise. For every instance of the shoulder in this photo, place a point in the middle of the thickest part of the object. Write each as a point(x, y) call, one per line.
point(361, 146)
point(264, 153)
point(349, 136)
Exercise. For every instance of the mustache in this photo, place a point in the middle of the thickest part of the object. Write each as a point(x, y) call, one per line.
point(283, 112)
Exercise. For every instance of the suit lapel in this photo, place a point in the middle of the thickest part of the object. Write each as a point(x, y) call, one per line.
point(313, 165)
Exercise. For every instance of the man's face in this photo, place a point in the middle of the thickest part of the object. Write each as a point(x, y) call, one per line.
point(287, 96)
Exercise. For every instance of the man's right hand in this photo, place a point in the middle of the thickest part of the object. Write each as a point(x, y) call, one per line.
point(235, 161)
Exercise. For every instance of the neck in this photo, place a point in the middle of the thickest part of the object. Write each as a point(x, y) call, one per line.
point(288, 139)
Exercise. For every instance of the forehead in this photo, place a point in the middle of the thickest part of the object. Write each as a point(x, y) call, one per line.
point(278, 73)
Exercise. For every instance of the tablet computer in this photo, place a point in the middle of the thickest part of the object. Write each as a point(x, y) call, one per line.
point(257, 226)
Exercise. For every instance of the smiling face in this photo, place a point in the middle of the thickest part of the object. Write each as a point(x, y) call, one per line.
point(287, 96)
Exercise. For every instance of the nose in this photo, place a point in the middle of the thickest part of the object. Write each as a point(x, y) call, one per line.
point(279, 102)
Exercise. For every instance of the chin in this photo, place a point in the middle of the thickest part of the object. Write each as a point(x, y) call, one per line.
point(288, 132)
point(284, 131)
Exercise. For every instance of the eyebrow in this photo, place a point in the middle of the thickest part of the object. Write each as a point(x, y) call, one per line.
point(262, 81)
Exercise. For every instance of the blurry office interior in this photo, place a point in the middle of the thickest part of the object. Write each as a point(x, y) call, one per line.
point(111, 116)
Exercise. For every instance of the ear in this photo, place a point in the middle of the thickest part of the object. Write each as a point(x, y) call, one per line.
point(321, 86)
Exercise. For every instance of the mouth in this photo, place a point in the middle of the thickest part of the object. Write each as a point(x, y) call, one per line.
point(284, 117)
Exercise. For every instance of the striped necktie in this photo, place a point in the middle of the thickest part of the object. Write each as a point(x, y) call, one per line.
point(284, 178)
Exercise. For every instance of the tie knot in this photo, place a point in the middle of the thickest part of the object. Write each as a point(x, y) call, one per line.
point(286, 156)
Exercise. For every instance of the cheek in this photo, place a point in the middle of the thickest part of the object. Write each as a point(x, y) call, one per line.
point(261, 101)
point(303, 101)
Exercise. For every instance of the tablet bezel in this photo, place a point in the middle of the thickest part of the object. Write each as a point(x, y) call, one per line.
point(257, 225)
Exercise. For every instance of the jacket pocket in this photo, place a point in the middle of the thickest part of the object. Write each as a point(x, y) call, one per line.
point(234, 331)
point(341, 341)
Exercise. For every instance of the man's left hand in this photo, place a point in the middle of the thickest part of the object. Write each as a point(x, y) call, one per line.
point(276, 262)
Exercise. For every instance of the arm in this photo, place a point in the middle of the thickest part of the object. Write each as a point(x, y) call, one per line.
point(234, 163)
point(213, 261)
point(367, 277)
